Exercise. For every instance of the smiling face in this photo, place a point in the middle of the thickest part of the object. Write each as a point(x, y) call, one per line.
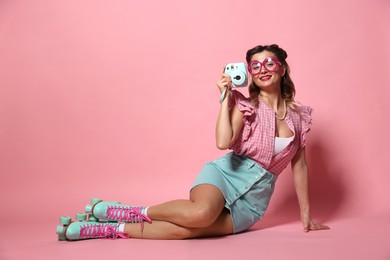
point(270, 74)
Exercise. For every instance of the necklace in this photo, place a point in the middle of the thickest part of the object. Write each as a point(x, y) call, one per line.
point(285, 112)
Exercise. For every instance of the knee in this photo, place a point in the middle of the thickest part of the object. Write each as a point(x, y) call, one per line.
point(202, 217)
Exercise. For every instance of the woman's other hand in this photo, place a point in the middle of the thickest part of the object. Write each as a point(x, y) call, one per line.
point(309, 225)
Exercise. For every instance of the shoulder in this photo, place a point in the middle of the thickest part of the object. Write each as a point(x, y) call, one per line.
point(243, 103)
point(301, 110)
point(304, 110)
point(303, 114)
point(238, 96)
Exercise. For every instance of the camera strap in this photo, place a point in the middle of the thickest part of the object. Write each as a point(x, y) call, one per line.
point(223, 94)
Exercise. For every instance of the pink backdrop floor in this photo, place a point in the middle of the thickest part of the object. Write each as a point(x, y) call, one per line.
point(349, 238)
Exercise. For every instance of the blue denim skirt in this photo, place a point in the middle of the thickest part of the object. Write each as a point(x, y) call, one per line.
point(246, 186)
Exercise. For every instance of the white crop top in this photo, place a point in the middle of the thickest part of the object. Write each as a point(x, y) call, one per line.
point(281, 143)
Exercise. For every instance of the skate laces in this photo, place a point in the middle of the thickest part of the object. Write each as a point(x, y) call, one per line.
point(101, 231)
point(127, 214)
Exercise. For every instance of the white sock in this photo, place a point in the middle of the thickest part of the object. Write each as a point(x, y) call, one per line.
point(121, 227)
point(145, 211)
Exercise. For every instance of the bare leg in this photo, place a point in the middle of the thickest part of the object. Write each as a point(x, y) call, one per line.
point(166, 230)
point(201, 210)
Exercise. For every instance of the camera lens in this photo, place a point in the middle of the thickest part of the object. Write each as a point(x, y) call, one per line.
point(238, 77)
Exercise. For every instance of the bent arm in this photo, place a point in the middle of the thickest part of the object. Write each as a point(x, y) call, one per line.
point(229, 124)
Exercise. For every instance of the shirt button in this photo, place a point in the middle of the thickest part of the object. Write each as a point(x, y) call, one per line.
point(257, 177)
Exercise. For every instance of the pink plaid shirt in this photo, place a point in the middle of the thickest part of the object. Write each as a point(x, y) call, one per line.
point(257, 137)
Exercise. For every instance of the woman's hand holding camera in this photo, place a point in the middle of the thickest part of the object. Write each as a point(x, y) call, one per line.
point(223, 82)
point(225, 85)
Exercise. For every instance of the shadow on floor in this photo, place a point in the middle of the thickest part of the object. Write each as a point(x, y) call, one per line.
point(327, 190)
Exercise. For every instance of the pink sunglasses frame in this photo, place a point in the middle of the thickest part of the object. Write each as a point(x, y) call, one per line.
point(274, 59)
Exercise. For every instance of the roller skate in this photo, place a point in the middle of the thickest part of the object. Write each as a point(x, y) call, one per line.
point(91, 217)
point(82, 229)
point(114, 211)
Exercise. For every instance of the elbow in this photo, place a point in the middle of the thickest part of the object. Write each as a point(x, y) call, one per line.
point(223, 146)
point(224, 143)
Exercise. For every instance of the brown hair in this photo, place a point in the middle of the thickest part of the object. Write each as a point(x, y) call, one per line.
point(287, 87)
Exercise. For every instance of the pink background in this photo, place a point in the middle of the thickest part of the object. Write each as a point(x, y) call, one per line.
point(117, 100)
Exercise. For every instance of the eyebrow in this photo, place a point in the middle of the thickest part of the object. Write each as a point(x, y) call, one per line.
point(265, 58)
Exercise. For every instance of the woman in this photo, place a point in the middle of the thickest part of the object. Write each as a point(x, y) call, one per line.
point(265, 132)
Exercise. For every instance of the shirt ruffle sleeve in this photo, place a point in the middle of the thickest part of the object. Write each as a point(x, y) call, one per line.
point(306, 121)
point(243, 103)
point(245, 106)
